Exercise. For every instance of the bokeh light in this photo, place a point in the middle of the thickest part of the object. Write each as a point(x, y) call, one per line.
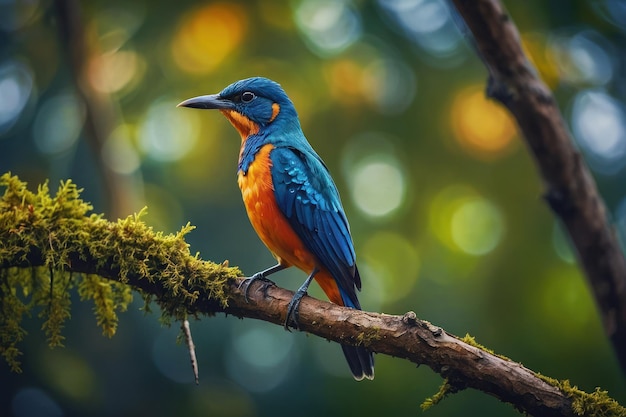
point(328, 26)
point(113, 71)
point(389, 84)
point(599, 126)
point(369, 73)
point(119, 153)
point(16, 87)
point(168, 134)
point(428, 24)
point(378, 184)
point(343, 77)
point(261, 358)
point(58, 124)
point(34, 402)
point(477, 226)
point(481, 126)
point(465, 221)
point(207, 35)
point(583, 58)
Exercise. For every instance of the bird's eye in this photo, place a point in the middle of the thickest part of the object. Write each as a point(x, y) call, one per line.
point(247, 96)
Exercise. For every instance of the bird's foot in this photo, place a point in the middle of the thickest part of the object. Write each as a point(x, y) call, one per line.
point(259, 276)
point(293, 313)
point(294, 305)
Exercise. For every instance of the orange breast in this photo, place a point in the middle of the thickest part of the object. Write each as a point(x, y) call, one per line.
point(271, 225)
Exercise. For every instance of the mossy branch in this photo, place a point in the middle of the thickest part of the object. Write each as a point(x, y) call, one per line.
point(49, 245)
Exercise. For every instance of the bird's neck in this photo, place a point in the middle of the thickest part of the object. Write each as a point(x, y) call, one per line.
point(250, 146)
point(244, 125)
point(254, 136)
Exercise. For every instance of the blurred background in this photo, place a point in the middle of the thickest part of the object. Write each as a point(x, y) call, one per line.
point(444, 201)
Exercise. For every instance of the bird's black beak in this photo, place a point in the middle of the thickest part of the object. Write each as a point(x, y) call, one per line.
point(213, 101)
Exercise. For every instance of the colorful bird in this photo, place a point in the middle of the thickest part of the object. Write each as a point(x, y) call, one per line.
point(291, 199)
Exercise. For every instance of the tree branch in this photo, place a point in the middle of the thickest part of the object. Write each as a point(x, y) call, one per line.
point(463, 363)
point(570, 189)
point(38, 232)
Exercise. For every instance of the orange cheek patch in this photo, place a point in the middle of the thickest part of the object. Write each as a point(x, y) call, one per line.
point(275, 111)
point(244, 126)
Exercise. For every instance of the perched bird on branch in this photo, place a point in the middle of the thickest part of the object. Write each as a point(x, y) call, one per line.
point(291, 199)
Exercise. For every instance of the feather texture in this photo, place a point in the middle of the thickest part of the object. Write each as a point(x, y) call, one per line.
point(308, 198)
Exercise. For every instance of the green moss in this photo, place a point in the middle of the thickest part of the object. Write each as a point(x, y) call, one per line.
point(444, 390)
point(108, 298)
point(596, 404)
point(50, 245)
point(12, 311)
point(470, 340)
point(367, 337)
point(56, 302)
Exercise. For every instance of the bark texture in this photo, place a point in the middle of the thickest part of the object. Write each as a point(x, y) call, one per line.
point(571, 191)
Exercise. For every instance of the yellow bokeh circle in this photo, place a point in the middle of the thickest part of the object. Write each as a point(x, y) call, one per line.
point(481, 126)
point(207, 35)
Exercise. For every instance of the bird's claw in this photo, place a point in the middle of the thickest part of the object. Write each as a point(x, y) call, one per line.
point(245, 284)
point(293, 313)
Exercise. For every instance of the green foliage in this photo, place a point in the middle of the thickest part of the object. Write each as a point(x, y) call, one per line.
point(49, 245)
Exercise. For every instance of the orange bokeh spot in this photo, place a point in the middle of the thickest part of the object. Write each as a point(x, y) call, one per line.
point(480, 125)
point(344, 79)
point(113, 71)
point(207, 35)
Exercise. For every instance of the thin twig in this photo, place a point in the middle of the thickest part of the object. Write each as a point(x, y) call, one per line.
point(192, 348)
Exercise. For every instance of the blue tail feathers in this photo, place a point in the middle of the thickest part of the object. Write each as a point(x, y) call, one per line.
point(360, 360)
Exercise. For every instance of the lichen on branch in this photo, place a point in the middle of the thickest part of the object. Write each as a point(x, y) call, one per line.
point(50, 245)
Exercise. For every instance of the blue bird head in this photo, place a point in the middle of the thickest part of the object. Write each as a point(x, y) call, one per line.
point(251, 105)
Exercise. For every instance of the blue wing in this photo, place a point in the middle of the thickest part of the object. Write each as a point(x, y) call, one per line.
point(308, 197)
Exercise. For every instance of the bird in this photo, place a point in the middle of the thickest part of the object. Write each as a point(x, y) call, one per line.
point(291, 199)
